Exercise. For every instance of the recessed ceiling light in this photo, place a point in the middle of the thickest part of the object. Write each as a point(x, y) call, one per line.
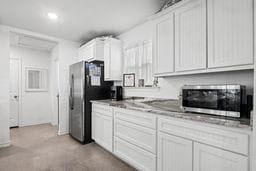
point(52, 16)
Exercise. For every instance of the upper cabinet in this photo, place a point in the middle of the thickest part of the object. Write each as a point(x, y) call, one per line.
point(113, 59)
point(164, 61)
point(190, 36)
point(93, 50)
point(200, 36)
point(230, 32)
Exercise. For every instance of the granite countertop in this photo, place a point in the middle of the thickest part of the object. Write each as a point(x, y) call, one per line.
point(171, 108)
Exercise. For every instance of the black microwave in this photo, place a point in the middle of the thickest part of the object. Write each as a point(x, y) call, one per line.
point(224, 100)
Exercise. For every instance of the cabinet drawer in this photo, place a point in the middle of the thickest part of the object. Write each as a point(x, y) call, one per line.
point(140, 159)
point(102, 109)
point(136, 117)
point(228, 140)
point(135, 134)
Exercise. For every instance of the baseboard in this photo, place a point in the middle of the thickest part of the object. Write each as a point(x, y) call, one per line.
point(6, 144)
point(34, 124)
point(63, 133)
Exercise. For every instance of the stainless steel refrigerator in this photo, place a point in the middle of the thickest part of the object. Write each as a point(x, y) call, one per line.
point(86, 84)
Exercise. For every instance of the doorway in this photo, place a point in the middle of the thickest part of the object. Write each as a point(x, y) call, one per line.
point(14, 92)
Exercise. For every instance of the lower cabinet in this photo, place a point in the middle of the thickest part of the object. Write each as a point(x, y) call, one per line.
point(102, 130)
point(137, 157)
point(174, 153)
point(207, 158)
point(150, 142)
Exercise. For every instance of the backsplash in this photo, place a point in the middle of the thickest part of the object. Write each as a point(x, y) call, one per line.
point(170, 86)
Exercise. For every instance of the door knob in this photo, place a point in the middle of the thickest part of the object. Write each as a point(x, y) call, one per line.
point(16, 97)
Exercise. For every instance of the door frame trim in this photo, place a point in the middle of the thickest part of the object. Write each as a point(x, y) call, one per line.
point(20, 86)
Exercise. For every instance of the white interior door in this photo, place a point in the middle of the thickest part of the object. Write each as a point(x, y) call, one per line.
point(55, 80)
point(14, 91)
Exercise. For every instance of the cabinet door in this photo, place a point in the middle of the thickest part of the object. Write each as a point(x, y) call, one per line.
point(82, 53)
point(107, 60)
point(107, 132)
point(96, 127)
point(207, 158)
point(230, 32)
point(102, 130)
point(174, 153)
point(190, 36)
point(164, 62)
point(90, 52)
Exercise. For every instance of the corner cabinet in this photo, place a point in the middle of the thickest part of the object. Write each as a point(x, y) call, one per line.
point(230, 33)
point(93, 50)
point(164, 38)
point(207, 158)
point(190, 36)
point(113, 60)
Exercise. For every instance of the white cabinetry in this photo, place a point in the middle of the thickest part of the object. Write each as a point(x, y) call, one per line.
point(207, 158)
point(112, 59)
point(93, 50)
point(230, 32)
point(102, 126)
point(135, 138)
point(137, 157)
point(174, 153)
point(164, 57)
point(203, 36)
point(153, 142)
point(220, 152)
point(190, 36)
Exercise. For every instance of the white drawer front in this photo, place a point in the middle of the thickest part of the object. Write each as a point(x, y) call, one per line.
point(228, 140)
point(137, 117)
point(140, 159)
point(135, 134)
point(102, 109)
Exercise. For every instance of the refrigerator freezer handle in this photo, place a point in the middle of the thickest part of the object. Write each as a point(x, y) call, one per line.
point(71, 97)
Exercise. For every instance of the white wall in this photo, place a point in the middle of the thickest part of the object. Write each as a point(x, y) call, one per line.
point(35, 106)
point(68, 54)
point(4, 88)
point(170, 86)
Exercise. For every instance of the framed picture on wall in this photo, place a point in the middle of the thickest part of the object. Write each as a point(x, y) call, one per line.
point(129, 80)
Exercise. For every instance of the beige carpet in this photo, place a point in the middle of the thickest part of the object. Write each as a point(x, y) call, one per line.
point(38, 148)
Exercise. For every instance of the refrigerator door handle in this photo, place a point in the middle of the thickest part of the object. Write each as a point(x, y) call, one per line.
point(71, 97)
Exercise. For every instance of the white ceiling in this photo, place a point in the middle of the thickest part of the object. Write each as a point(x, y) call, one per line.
point(79, 20)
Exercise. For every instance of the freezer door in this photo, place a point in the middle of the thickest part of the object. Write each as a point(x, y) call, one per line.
point(76, 101)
